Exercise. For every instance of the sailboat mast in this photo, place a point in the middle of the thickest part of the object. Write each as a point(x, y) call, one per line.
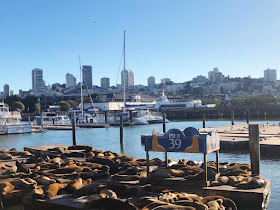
point(124, 75)
point(82, 104)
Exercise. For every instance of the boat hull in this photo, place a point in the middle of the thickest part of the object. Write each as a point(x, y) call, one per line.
point(15, 129)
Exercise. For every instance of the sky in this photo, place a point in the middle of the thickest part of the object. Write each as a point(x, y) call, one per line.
point(177, 39)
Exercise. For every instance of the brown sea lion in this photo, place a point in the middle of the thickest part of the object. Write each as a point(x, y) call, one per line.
point(76, 184)
point(44, 180)
point(89, 189)
point(196, 205)
point(105, 161)
point(5, 150)
point(6, 156)
point(53, 189)
point(22, 167)
point(105, 193)
point(215, 204)
point(6, 187)
point(37, 193)
point(2, 166)
point(173, 207)
point(227, 202)
point(253, 183)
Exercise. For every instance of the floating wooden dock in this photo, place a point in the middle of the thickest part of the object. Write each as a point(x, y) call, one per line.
point(253, 198)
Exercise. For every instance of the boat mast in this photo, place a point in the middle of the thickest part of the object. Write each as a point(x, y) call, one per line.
point(124, 75)
point(82, 104)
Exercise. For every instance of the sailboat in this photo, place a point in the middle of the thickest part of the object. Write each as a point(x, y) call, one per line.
point(80, 115)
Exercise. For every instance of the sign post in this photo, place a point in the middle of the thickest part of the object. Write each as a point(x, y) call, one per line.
point(187, 141)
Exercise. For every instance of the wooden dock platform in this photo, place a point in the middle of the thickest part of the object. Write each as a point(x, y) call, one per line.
point(258, 198)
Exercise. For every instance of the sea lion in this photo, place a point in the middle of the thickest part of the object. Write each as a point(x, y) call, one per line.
point(105, 193)
point(53, 189)
point(5, 150)
point(74, 154)
point(196, 205)
point(44, 180)
point(2, 166)
point(215, 204)
point(227, 202)
point(6, 156)
point(105, 161)
point(26, 183)
point(11, 170)
point(22, 167)
point(89, 189)
point(6, 187)
point(253, 183)
point(37, 193)
point(76, 184)
point(174, 207)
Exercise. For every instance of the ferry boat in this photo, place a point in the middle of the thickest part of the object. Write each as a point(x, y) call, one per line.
point(10, 122)
point(50, 118)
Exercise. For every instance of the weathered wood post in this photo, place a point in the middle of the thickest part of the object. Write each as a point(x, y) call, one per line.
point(29, 119)
point(164, 123)
point(232, 117)
point(86, 119)
point(130, 115)
point(106, 117)
point(203, 119)
point(148, 163)
point(248, 116)
point(42, 121)
point(121, 129)
point(164, 131)
point(254, 146)
point(74, 130)
point(205, 170)
point(53, 120)
point(217, 161)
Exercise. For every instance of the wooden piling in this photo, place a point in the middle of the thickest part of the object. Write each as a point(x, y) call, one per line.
point(148, 163)
point(130, 115)
point(254, 146)
point(164, 123)
point(121, 129)
point(232, 117)
point(217, 161)
point(106, 117)
point(74, 130)
point(248, 116)
point(203, 119)
point(205, 169)
point(42, 121)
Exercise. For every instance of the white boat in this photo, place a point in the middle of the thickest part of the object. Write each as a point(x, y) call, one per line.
point(10, 122)
point(81, 116)
point(150, 117)
point(50, 118)
point(162, 103)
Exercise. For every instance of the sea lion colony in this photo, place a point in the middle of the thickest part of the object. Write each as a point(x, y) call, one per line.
point(108, 179)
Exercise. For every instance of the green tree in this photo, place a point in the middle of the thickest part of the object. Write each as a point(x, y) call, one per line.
point(73, 104)
point(29, 102)
point(37, 108)
point(18, 105)
point(7, 105)
point(65, 106)
point(12, 99)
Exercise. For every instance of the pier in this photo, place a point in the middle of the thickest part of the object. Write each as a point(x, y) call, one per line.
point(113, 177)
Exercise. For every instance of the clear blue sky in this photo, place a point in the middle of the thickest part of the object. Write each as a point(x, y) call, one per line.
point(176, 39)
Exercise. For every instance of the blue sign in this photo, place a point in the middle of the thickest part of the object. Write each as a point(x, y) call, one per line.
point(188, 141)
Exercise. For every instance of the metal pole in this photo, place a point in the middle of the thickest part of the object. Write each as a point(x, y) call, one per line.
point(74, 130)
point(232, 117)
point(254, 146)
point(130, 115)
point(203, 118)
point(121, 129)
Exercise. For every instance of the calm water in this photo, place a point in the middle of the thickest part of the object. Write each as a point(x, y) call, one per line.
point(108, 139)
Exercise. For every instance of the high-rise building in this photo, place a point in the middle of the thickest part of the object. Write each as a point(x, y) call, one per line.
point(165, 80)
point(270, 75)
point(151, 82)
point(6, 90)
point(215, 76)
point(130, 81)
point(37, 81)
point(87, 76)
point(70, 81)
point(124, 76)
point(105, 83)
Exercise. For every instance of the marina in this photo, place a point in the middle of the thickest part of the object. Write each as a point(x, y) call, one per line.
point(131, 144)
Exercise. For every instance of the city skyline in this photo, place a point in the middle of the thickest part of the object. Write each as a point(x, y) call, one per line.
point(174, 40)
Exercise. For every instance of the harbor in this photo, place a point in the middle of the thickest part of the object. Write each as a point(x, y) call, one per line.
point(131, 147)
